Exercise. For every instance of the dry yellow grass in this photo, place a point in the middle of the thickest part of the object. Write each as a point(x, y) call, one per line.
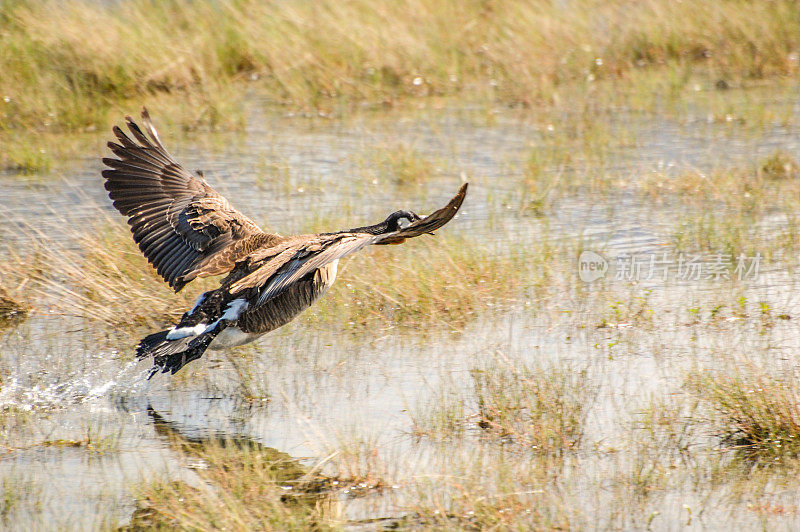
point(752, 410)
point(103, 277)
point(441, 281)
point(540, 408)
point(16, 299)
point(537, 408)
point(11, 309)
point(66, 64)
point(240, 485)
point(496, 489)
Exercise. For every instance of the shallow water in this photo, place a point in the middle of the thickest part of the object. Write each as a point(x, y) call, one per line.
point(325, 390)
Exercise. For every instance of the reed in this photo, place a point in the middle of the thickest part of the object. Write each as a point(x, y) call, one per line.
point(67, 64)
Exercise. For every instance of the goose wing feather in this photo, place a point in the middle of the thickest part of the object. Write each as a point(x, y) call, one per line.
point(287, 266)
point(179, 222)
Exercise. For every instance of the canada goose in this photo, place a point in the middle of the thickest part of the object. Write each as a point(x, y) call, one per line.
point(187, 230)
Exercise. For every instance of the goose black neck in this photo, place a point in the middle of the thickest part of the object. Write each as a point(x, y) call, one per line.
point(390, 224)
point(377, 229)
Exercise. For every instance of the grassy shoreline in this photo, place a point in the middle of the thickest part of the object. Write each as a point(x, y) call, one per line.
point(67, 65)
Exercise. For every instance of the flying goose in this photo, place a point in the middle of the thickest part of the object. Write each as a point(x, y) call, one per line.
point(187, 230)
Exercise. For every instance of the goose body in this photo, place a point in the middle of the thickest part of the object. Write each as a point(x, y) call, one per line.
point(187, 230)
point(281, 310)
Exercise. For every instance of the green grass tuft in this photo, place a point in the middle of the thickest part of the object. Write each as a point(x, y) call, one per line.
point(754, 411)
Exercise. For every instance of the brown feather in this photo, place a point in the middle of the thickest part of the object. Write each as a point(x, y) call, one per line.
point(177, 219)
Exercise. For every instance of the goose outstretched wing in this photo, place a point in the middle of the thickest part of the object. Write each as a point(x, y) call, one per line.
point(287, 265)
point(180, 223)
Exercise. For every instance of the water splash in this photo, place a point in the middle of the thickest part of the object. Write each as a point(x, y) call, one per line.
point(130, 379)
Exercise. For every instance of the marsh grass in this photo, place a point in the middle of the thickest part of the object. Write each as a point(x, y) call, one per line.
point(239, 485)
point(495, 489)
point(91, 442)
point(778, 166)
point(622, 309)
point(753, 411)
point(252, 386)
point(543, 176)
point(28, 159)
point(444, 417)
point(441, 282)
point(67, 64)
point(401, 165)
point(438, 282)
point(714, 232)
point(12, 311)
point(9, 497)
point(359, 463)
point(509, 434)
point(98, 273)
point(13, 420)
point(541, 408)
point(241, 488)
point(103, 277)
point(16, 297)
point(752, 189)
point(660, 440)
point(17, 493)
point(754, 207)
point(26, 430)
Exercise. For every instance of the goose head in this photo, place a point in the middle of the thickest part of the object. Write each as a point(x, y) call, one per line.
point(399, 219)
point(394, 222)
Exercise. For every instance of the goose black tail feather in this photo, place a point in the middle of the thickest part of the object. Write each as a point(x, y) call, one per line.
point(150, 343)
point(171, 355)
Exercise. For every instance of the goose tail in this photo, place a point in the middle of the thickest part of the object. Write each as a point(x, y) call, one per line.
point(170, 355)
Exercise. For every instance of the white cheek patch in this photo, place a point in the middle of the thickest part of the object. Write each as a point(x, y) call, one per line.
point(183, 332)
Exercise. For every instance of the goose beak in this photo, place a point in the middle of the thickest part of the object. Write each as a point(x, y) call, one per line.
point(435, 220)
point(429, 224)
